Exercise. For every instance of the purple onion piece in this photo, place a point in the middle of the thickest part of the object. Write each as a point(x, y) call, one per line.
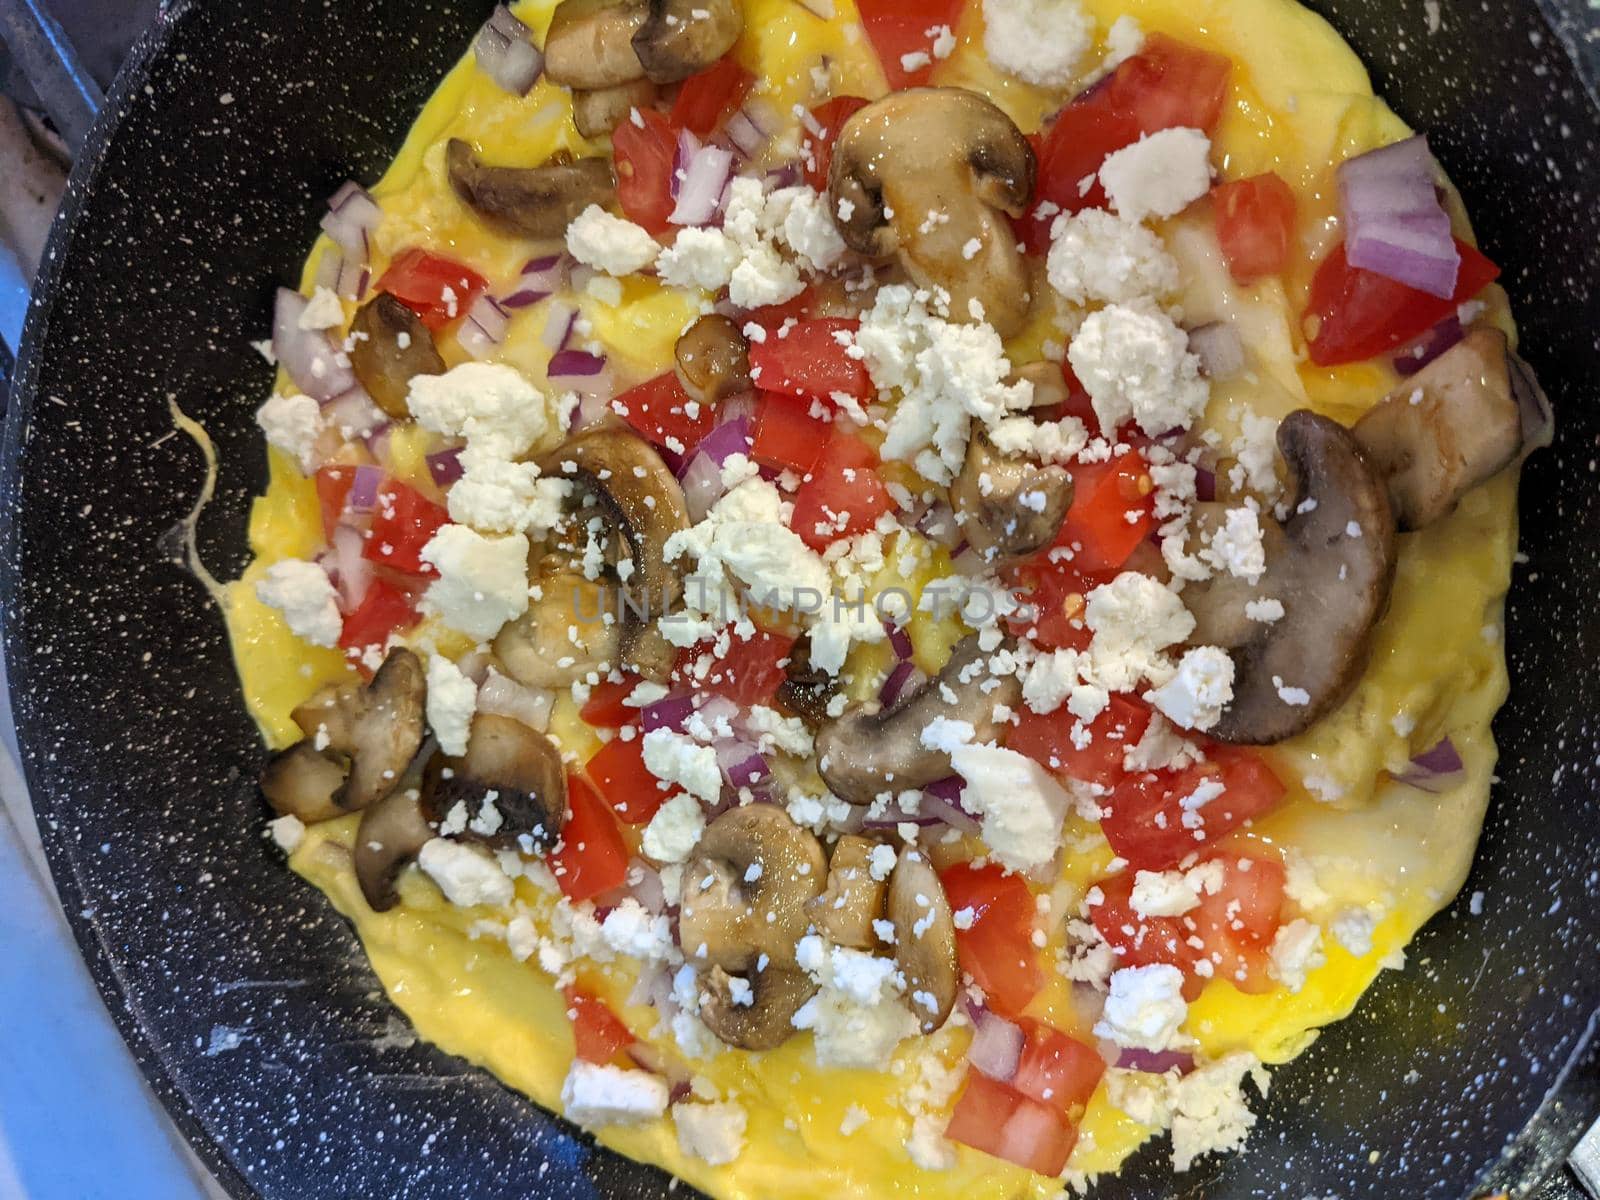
point(364, 488)
point(899, 641)
point(445, 466)
point(1156, 1062)
point(1429, 346)
point(902, 681)
point(1205, 484)
point(996, 1047)
point(727, 439)
point(672, 713)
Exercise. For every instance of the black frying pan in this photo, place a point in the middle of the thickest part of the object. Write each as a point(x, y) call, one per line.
point(185, 211)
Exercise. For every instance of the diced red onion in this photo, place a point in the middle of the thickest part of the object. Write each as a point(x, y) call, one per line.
point(329, 268)
point(899, 641)
point(702, 486)
point(377, 440)
point(1429, 346)
point(558, 326)
point(1205, 484)
point(579, 371)
point(354, 414)
point(308, 355)
point(788, 175)
point(645, 886)
point(1217, 346)
point(672, 713)
point(474, 664)
point(996, 1047)
point(353, 216)
point(541, 277)
point(1029, 1127)
point(751, 128)
point(700, 194)
point(444, 466)
point(894, 820)
point(485, 327)
point(364, 488)
point(942, 800)
point(504, 697)
point(1395, 225)
point(902, 681)
point(351, 571)
point(1156, 1062)
point(741, 762)
point(506, 54)
point(682, 155)
point(353, 279)
point(590, 410)
point(727, 439)
point(1435, 770)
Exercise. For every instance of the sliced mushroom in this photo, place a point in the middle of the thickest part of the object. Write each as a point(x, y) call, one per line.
point(1330, 565)
point(1049, 384)
point(924, 939)
point(590, 43)
point(391, 835)
point(516, 768)
point(929, 174)
point(569, 631)
point(1454, 424)
point(868, 751)
point(359, 741)
point(844, 913)
point(532, 202)
point(763, 1017)
point(390, 346)
point(806, 691)
point(1010, 506)
point(713, 359)
point(645, 504)
point(680, 38)
point(746, 890)
point(600, 110)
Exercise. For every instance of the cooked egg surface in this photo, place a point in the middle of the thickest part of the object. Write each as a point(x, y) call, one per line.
point(1359, 846)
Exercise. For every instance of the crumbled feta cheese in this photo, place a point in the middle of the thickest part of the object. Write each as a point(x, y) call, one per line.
point(292, 424)
point(713, 1132)
point(848, 1034)
point(1096, 256)
point(323, 311)
point(1352, 928)
point(1202, 687)
point(1209, 1112)
point(1236, 547)
point(808, 228)
point(1161, 748)
point(1163, 894)
point(774, 731)
point(302, 592)
point(1296, 951)
point(679, 759)
point(1266, 610)
point(699, 258)
point(1038, 41)
point(288, 832)
point(1135, 364)
point(1123, 40)
point(1049, 441)
point(631, 929)
point(452, 699)
point(1301, 883)
point(1145, 1007)
point(880, 861)
point(1160, 175)
point(1294, 697)
point(597, 1094)
point(467, 875)
point(1020, 804)
point(863, 978)
point(1134, 619)
point(483, 581)
point(610, 244)
point(492, 405)
point(497, 496)
point(1256, 449)
point(675, 829)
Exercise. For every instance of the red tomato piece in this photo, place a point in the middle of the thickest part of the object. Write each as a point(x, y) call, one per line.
point(1104, 495)
point(665, 415)
point(598, 1032)
point(403, 522)
point(1146, 819)
point(809, 360)
point(1255, 224)
point(604, 709)
point(751, 670)
point(643, 152)
point(1047, 739)
point(1140, 941)
point(787, 436)
point(1239, 922)
point(1352, 314)
point(434, 287)
point(333, 491)
point(901, 30)
point(708, 99)
point(770, 316)
point(386, 608)
point(592, 857)
point(1057, 1070)
point(1054, 593)
point(617, 770)
point(843, 495)
point(1000, 1121)
point(997, 950)
point(816, 152)
point(1169, 84)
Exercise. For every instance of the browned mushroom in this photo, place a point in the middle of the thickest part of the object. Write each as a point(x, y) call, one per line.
point(680, 38)
point(598, 111)
point(869, 751)
point(391, 835)
point(931, 174)
point(713, 360)
point(302, 781)
point(532, 202)
point(806, 690)
point(510, 786)
point(569, 631)
point(1451, 426)
point(1009, 506)
point(757, 1012)
point(854, 899)
point(390, 346)
point(590, 43)
point(924, 939)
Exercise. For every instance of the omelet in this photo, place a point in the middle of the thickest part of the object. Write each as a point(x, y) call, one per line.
point(1368, 858)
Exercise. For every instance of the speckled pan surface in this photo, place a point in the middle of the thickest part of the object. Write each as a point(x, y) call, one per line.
point(247, 1000)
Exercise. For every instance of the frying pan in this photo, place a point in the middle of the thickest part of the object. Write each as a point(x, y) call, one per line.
point(246, 999)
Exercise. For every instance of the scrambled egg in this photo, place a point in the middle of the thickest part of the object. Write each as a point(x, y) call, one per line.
point(1362, 843)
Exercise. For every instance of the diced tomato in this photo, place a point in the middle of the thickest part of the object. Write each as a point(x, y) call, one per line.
point(1104, 496)
point(750, 671)
point(403, 522)
point(598, 1032)
point(643, 152)
point(1000, 1121)
point(604, 709)
point(843, 495)
point(1255, 224)
point(809, 360)
point(1352, 314)
point(1146, 825)
point(787, 435)
point(1047, 739)
point(333, 492)
point(901, 29)
point(665, 415)
point(1054, 592)
point(1057, 1070)
point(1139, 941)
point(617, 770)
point(386, 608)
point(771, 316)
point(708, 99)
point(592, 857)
point(816, 152)
point(435, 288)
point(1166, 84)
point(997, 950)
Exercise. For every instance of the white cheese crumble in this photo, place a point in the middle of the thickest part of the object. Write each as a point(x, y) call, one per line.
point(675, 829)
point(847, 1034)
point(1038, 41)
point(1135, 364)
point(1296, 952)
point(493, 406)
point(483, 581)
point(678, 758)
point(595, 1095)
point(1209, 1112)
point(1096, 256)
point(323, 311)
point(1236, 547)
point(288, 831)
point(610, 244)
point(1021, 806)
point(494, 495)
point(452, 699)
point(699, 258)
point(1145, 1007)
point(292, 424)
point(1160, 175)
point(1202, 687)
point(1134, 619)
point(302, 592)
point(467, 875)
point(713, 1132)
